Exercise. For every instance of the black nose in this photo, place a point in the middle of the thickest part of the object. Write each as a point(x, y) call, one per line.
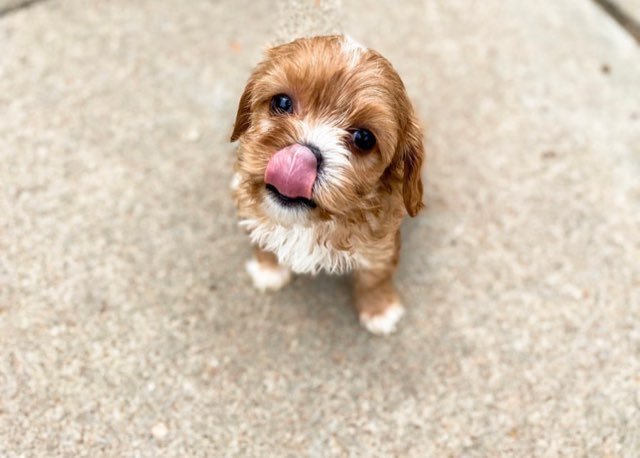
point(316, 152)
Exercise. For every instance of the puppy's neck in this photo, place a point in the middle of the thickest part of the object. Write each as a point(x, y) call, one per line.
point(304, 249)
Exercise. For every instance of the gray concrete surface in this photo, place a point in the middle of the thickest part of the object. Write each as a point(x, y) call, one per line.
point(128, 326)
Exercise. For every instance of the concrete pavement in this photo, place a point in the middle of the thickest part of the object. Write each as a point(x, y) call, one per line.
point(129, 328)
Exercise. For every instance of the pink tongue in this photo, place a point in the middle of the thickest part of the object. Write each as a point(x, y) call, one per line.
point(292, 171)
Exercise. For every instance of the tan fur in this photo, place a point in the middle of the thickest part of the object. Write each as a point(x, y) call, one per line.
point(265, 258)
point(359, 212)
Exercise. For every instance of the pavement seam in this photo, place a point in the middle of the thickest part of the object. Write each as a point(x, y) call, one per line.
point(625, 20)
point(19, 6)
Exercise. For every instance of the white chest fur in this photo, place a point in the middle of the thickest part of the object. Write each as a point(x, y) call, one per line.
point(300, 248)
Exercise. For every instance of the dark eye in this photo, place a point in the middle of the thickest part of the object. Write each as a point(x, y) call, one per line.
point(281, 104)
point(363, 139)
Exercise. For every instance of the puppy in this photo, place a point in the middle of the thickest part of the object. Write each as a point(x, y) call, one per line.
point(328, 164)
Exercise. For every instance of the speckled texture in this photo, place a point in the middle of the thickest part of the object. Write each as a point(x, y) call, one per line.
point(128, 326)
point(307, 17)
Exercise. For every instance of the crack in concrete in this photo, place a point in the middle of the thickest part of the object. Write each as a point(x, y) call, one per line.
point(18, 6)
point(625, 20)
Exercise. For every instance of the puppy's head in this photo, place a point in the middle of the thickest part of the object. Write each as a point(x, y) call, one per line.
point(326, 129)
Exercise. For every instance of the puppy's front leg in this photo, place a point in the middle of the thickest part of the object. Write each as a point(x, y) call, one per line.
point(265, 271)
point(377, 300)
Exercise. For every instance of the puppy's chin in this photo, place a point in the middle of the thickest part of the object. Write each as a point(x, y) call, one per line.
point(286, 213)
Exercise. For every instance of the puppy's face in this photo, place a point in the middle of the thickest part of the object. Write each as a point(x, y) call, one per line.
point(326, 129)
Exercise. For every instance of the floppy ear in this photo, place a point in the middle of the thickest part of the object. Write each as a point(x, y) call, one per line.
point(412, 157)
point(243, 117)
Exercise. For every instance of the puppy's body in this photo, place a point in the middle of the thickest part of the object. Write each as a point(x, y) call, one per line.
point(328, 165)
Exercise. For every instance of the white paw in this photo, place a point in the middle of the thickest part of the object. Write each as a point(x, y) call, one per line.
point(383, 323)
point(267, 277)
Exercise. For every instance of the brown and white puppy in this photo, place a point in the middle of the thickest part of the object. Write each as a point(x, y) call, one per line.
point(328, 164)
